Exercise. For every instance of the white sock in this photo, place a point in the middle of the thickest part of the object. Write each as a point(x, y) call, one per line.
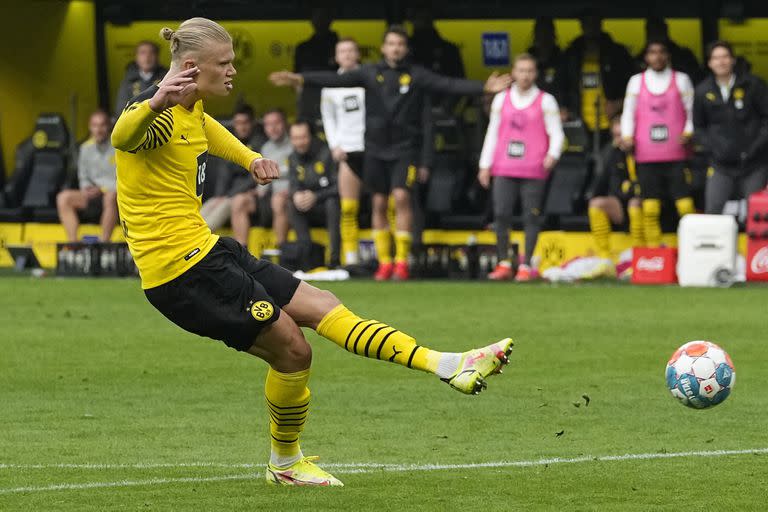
point(448, 364)
point(283, 461)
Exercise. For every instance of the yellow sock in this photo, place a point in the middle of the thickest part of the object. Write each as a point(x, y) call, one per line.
point(382, 241)
point(685, 206)
point(288, 404)
point(349, 229)
point(370, 338)
point(651, 224)
point(403, 241)
point(636, 226)
point(600, 225)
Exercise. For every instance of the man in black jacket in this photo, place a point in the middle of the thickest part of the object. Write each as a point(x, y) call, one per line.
point(144, 72)
point(595, 73)
point(394, 109)
point(314, 188)
point(730, 119)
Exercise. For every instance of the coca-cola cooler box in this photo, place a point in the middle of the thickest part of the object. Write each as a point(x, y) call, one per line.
point(654, 265)
point(706, 250)
point(757, 237)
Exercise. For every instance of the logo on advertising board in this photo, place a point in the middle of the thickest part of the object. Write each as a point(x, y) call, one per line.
point(495, 49)
point(654, 264)
point(759, 263)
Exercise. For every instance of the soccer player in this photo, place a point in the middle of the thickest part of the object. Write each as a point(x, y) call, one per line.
point(616, 191)
point(343, 111)
point(394, 109)
point(211, 285)
point(657, 123)
point(523, 143)
point(96, 177)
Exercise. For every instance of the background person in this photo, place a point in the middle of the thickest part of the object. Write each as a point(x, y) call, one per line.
point(657, 124)
point(224, 176)
point(595, 72)
point(522, 145)
point(277, 195)
point(314, 189)
point(615, 199)
point(143, 72)
point(97, 181)
point(343, 111)
point(730, 117)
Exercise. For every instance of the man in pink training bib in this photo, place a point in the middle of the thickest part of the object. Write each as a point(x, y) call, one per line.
point(523, 143)
point(658, 123)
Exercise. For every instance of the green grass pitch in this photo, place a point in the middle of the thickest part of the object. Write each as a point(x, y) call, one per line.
point(105, 405)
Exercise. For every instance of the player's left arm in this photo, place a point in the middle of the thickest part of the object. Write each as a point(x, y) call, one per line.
point(459, 86)
point(223, 144)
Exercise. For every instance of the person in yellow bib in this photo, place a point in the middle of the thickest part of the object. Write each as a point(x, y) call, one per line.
point(212, 286)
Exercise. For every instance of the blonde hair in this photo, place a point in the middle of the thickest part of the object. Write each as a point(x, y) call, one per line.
point(525, 56)
point(193, 35)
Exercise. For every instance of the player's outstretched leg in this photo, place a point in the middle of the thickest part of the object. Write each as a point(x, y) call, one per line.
point(465, 372)
point(283, 346)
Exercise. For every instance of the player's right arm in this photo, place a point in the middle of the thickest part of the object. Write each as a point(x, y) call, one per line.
point(134, 129)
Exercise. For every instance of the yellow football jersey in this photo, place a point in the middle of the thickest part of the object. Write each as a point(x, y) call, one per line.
point(161, 161)
point(592, 93)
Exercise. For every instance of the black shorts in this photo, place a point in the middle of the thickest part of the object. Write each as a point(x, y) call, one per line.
point(229, 295)
point(91, 214)
point(664, 179)
point(355, 162)
point(383, 176)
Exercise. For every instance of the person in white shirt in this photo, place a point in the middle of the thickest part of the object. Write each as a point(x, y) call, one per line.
point(97, 179)
point(657, 123)
point(343, 112)
point(523, 143)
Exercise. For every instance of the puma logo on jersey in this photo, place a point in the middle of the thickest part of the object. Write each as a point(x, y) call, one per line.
point(192, 254)
point(185, 139)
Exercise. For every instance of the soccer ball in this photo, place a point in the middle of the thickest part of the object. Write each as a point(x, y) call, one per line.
point(700, 374)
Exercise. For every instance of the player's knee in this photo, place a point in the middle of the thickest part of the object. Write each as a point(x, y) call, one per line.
point(634, 203)
point(240, 203)
point(597, 202)
point(297, 350)
point(402, 198)
point(64, 198)
point(327, 300)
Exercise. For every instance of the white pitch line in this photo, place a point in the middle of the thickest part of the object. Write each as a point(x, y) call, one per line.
point(344, 469)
